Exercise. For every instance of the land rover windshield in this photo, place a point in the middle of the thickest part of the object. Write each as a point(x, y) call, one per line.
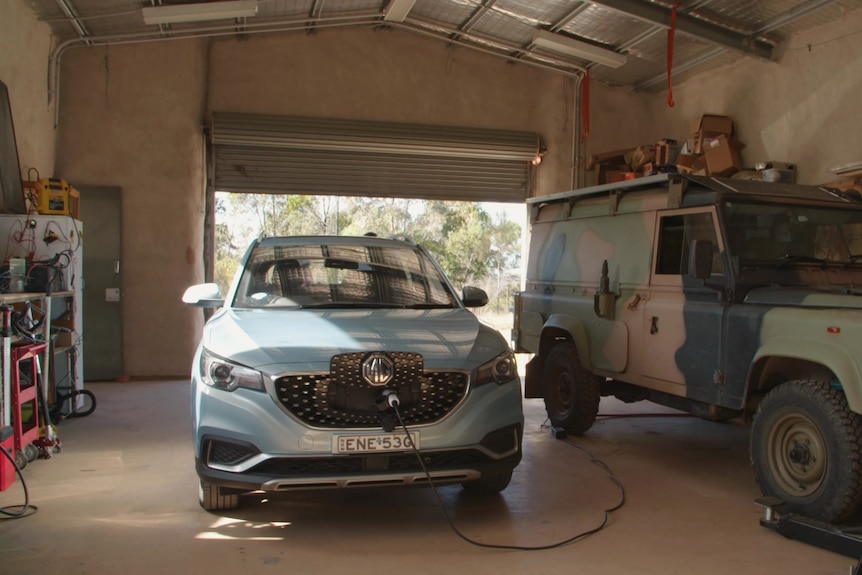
point(779, 235)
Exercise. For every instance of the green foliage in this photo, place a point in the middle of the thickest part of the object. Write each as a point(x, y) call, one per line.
point(471, 247)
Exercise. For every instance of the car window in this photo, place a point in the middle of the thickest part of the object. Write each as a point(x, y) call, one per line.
point(676, 233)
point(341, 275)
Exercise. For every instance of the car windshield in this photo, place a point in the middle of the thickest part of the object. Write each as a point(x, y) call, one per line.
point(341, 276)
point(783, 234)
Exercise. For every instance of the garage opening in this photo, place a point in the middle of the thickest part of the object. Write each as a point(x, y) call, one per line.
point(459, 191)
point(478, 244)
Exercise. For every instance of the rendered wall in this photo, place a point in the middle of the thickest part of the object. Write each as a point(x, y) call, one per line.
point(803, 109)
point(25, 45)
point(131, 116)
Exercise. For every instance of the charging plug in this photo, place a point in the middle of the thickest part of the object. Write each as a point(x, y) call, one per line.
point(392, 400)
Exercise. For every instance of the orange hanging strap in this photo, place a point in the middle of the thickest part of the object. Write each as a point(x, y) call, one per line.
point(585, 106)
point(670, 35)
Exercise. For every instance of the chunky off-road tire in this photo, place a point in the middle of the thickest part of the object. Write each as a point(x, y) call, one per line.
point(571, 392)
point(806, 449)
point(212, 498)
point(489, 483)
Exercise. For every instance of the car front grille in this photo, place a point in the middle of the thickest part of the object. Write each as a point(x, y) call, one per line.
point(341, 398)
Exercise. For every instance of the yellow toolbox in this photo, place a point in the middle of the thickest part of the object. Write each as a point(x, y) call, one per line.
point(56, 197)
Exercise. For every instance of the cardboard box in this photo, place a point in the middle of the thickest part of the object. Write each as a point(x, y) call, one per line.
point(619, 176)
point(665, 152)
point(639, 156)
point(713, 124)
point(722, 156)
point(707, 127)
point(690, 163)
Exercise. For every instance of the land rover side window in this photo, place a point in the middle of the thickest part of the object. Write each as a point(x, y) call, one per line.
point(674, 241)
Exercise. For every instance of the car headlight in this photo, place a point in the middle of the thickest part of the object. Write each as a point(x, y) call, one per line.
point(501, 369)
point(222, 374)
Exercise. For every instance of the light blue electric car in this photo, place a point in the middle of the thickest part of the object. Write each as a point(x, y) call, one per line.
point(344, 362)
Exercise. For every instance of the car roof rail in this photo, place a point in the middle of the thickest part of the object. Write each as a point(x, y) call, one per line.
point(404, 238)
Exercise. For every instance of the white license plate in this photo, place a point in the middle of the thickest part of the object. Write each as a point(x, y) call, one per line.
point(375, 443)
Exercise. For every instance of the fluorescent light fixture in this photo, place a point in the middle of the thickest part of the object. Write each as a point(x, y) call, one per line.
point(397, 10)
point(172, 14)
point(579, 49)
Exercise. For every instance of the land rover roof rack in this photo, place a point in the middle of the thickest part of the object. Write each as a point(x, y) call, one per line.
point(604, 188)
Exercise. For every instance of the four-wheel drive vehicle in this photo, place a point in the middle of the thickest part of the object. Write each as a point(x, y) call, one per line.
point(327, 352)
point(720, 297)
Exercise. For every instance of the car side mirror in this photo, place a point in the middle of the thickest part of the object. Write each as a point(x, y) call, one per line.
point(203, 295)
point(473, 296)
point(700, 259)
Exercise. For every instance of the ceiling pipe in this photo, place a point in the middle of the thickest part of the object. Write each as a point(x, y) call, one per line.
point(72, 15)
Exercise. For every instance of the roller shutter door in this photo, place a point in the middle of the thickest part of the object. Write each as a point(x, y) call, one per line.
point(294, 155)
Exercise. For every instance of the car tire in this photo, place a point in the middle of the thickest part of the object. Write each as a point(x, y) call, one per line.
point(213, 498)
point(571, 392)
point(805, 449)
point(490, 483)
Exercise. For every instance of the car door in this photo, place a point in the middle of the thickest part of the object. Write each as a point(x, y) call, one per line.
point(683, 316)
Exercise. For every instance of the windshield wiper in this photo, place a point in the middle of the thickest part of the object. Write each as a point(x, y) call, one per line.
point(430, 306)
point(800, 259)
point(352, 305)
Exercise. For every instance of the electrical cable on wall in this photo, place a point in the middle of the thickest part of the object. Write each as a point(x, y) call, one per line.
point(585, 106)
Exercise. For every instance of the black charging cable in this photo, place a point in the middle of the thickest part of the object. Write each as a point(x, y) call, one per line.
point(393, 402)
point(17, 511)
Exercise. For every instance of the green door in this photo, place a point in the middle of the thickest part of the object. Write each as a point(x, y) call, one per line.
point(101, 213)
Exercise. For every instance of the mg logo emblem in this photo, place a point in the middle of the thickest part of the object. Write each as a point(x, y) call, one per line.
point(378, 369)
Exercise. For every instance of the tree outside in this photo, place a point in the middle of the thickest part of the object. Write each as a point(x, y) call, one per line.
point(474, 247)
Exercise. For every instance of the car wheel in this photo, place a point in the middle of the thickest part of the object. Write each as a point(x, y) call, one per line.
point(213, 498)
point(490, 483)
point(572, 393)
point(31, 452)
point(21, 459)
point(805, 450)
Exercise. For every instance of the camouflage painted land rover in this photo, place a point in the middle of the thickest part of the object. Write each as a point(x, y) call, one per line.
point(725, 298)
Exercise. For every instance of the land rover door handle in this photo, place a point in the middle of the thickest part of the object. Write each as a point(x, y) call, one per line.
point(653, 326)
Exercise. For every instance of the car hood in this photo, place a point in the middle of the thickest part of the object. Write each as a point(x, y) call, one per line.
point(805, 297)
point(275, 340)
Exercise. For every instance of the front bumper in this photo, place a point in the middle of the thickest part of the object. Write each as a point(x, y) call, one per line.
point(288, 473)
point(245, 440)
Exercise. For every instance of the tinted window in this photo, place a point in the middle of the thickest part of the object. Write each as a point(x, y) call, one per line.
point(309, 275)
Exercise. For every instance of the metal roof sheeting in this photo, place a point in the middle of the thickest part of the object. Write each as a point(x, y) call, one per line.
point(711, 33)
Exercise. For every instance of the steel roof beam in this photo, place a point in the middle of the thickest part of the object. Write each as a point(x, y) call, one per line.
point(799, 11)
point(685, 24)
point(72, 14)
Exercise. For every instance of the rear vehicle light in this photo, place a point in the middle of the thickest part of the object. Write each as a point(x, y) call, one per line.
point(222, 374)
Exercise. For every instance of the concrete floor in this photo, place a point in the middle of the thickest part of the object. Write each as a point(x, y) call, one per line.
point(121, 498)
